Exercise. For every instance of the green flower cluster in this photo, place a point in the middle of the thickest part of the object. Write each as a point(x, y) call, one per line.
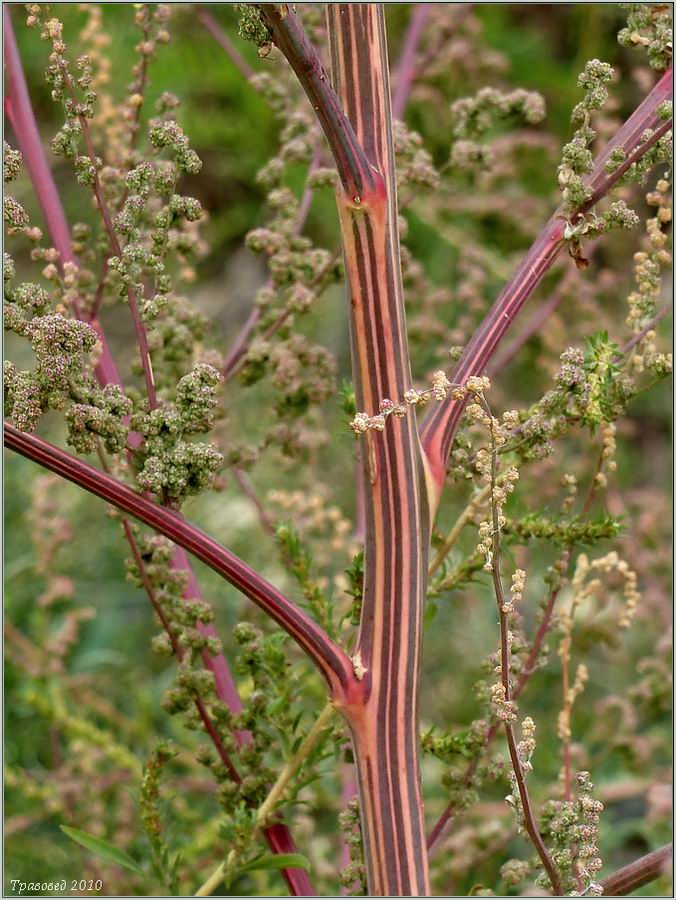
point(577, 160)
point(649, 26)
point(474, 117)
point(167, 464)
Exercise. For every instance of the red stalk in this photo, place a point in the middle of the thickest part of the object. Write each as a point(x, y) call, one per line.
point(328, 657)
point(357, 122)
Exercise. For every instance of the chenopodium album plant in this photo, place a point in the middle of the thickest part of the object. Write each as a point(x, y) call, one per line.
point(271, 736)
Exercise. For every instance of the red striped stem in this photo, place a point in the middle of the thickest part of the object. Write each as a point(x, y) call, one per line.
point(439, 427)
point(384, 720)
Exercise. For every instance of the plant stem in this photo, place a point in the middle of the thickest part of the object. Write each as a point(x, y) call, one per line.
point(355, 169)
point(639, 873)
point(331, 661)
point(383, 718)
point(277, 790)
point(290, 769)
point(530, 822)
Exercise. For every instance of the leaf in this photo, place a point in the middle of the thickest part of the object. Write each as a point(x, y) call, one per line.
point(104, 849)
point(277, 861)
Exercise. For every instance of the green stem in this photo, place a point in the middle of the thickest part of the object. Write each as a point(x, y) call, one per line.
point(277, 790)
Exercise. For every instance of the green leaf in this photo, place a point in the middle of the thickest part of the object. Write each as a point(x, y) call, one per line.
point(277, 861)
point(104, 849)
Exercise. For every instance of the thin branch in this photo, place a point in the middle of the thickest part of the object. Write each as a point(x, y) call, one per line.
point(139, 327)
point(406, 68)
point(222, 38)
point(249, 492)
point(438, 429)
point(529, 667)
point(529, 819)
point(639, 873)
point(331, 661)
point(22, 119)
point(277, 791)
point(638, 337)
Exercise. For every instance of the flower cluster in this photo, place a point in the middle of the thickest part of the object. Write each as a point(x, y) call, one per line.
point(440, 390)
point(59, 345)
point(516, 593)
point(503, 708)
point(11, 163)
point(414, 164)
point(166, 463)
point(649, 26)
point(526, 746)
point(474, 116)
point(573, 829)
point(577, 159)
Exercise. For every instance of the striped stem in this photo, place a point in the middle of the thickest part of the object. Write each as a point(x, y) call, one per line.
point(385, 726)
point(438, 429)
point(383, 716)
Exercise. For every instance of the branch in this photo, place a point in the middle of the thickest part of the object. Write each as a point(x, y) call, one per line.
point(357, 172)
point(406, 68)
point(222, 38)
point(331, 661)
point(439, 427)
point(22, 119)
point(644, 870)
point(529, 818)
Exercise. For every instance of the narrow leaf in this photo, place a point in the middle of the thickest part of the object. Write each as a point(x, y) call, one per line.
point(102, 848)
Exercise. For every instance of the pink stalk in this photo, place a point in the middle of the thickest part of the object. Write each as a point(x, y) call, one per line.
point(222, 38)
point(406, 68)
point(22, 119)
point(439, 427)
